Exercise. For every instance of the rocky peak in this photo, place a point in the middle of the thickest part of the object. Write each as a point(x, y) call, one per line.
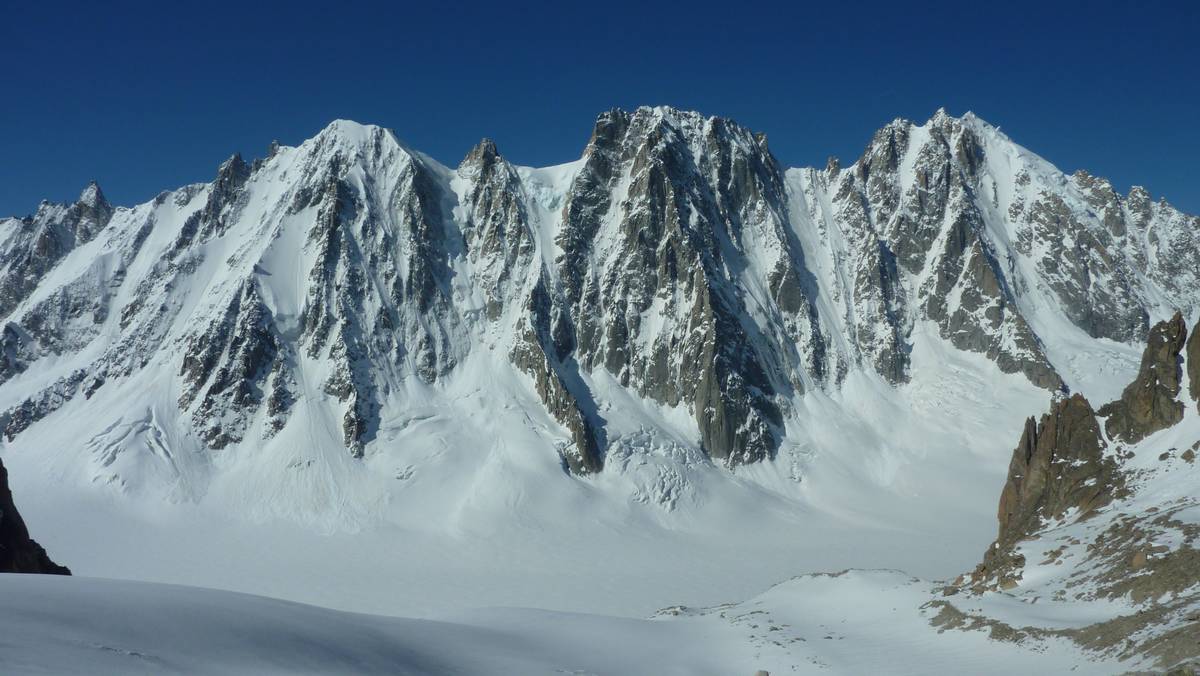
point(1083, 177)
point(1150, 403)
point(481, 157)
point(1112, 526)
point(1139, 193)
point(669, 204)
point(344, 144)
point(90, 214)
point(46, 238)
point(887, 146)
point(1067, 436)
point(92, 197)
point(232, 174)
point(223, 194)
point(920, 215)
point(500, 241)
point(667, 133)
point(608, 131)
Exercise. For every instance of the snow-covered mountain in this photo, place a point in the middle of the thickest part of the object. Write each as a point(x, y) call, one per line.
point(672, 370)
point(675, 288)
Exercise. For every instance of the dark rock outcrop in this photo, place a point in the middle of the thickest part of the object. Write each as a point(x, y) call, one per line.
point(1058, 466)
point(1128, 551)
point(18, 552)
point(214, 218)
point(226, 368)
point(1150, 403)
point(558, 386)
point(1193, 364)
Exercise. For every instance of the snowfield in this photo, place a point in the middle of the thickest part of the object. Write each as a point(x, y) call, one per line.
point(853, 623)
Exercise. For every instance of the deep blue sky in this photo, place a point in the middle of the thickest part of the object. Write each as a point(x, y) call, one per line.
point(144, 97)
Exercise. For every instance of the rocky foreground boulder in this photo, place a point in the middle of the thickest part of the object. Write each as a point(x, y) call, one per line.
point(18, 552)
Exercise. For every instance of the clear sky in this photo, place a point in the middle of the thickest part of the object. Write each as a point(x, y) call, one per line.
point(145, 97)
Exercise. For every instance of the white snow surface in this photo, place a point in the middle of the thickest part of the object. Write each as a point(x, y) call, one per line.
point(852, 623)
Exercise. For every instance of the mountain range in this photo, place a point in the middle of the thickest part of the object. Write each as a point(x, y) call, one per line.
point(672, 334)
point(324, 288)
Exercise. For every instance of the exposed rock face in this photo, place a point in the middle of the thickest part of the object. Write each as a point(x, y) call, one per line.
point(1077, 257)
point(1058, 467)
point(666, 211)
point(218, 210)
point(675, 264)
point(18, 552)
point(1193, 364)
point(500, 239)
point(32, 247)
point(1108, 525)
point(1060, 464)
point(1150, 403)
point(556, 385)
point(226, 369)
point(917, 212)
point(507, 266)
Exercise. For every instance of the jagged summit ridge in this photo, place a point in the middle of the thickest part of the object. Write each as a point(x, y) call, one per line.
point(311, 298)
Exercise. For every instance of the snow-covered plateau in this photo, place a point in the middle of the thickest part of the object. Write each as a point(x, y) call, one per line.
point(670, 372)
